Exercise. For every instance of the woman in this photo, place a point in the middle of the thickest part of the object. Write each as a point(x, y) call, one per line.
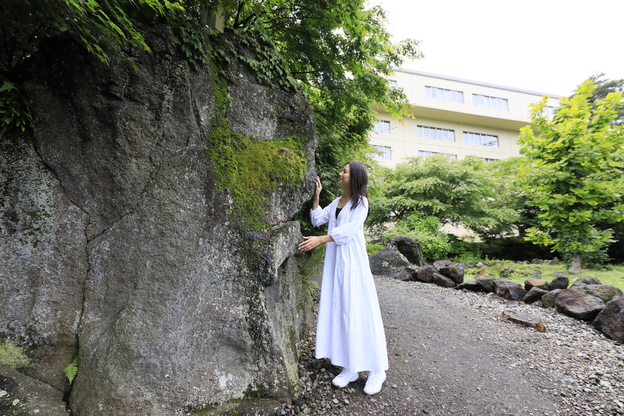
point(349, 328)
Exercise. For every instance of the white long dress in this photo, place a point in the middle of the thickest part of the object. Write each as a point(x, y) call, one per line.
point(349, 329)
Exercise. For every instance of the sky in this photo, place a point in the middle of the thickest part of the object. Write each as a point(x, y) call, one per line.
point(548, 46)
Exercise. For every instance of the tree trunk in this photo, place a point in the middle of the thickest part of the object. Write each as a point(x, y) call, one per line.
point(575, 265)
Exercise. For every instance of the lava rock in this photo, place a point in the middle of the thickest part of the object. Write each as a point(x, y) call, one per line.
point(611, 319)
point(533, 282)
point(388, 262)
point(426, 273)
point(410, 249)
point(487, 283)
point(578, 305)
point(408, 274)
point(509, 290)
point(442, 280)
point(584, 281)
point(604, 292)
point(548, 300)
point(441, 263)
point(454, 271)
point(471, 285)
point(559, 282)
point(534, 294)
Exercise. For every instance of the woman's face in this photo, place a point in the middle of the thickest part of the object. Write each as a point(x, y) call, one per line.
point(344, 179)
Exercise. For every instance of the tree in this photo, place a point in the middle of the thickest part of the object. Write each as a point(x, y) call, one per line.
point(572, 172)
point(605, 87)
point(454, 191)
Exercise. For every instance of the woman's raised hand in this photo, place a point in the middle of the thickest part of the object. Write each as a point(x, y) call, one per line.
point(319, 187)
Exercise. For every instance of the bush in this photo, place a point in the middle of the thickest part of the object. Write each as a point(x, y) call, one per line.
point(424, 230)
point(464, 251)
point(374, 249)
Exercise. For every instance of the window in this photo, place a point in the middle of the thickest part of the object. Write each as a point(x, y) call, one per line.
point(550, 111)
point(426, 153)
point(444, 95)
point(382, 126)
point(480, 139)
point(393, 83)
point(490, 102)
point(386, 155)
point(435, 133)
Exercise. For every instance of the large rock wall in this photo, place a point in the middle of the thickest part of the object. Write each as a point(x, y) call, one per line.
point(116, 242)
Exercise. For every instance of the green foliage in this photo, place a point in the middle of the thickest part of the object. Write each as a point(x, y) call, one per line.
point(192, 44)
point(71, 370)
point(453, 191)
point(572, 172)
point(14, 109)
point(425, 230)
point(13, 356)
point(605, 87)
point(374, 249)
point(464, 251)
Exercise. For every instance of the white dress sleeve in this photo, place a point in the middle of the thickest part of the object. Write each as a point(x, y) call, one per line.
point(320, 216)
point(346, 232)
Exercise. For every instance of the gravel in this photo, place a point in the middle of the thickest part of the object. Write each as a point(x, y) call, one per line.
point(455, 352)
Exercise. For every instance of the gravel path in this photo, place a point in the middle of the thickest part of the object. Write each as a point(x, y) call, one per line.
point(455, 353)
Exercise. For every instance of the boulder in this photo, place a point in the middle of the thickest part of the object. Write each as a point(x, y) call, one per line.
point(441, 263)
point(523, 319)
point(487, 283)
point(548, 300)
point(604, 292)
point(410, 249)
point(426, 273)
point(578, 305)
point(533, 282)
point(471, 285)
point(587, 280)
point(559, 282)
point(454, 271)
point(611, 319)
point(442, 280)
point(33, 397)
point(388, 262)
point(509, 290)
point(534, 294)
point(408, 274)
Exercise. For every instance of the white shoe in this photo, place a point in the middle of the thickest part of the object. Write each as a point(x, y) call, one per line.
point(344, 378)
point(374, 383)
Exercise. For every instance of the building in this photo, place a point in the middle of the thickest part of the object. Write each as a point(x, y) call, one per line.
point(456, 117)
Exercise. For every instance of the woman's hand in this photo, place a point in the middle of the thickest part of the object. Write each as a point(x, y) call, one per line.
point(311, 242)
point(319, 187)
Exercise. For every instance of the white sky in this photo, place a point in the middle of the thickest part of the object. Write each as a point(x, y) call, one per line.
point(548, 46)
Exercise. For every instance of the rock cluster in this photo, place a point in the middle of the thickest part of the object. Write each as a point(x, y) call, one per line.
point(586, 299)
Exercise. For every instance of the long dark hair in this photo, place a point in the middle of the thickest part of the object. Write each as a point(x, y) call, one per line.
point(359, 181)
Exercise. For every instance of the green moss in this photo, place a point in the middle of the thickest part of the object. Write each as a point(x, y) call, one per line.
point(13, 356)
point(248, 169)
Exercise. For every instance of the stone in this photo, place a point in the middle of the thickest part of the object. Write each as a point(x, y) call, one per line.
point(408, 274)
point(471, 285)
point(548, 300)
point(441, 263)
point(611, 319)
point(604, 292)
point(35, 397)
point(121, 244)
point(509, 290)
point(479, 264)
point(410, 249)
point(587, 280)
point(554, 261)
point(442, 280)
point(532, 282)
point(534, 294)
point(487, 283)
point(578, 305)
point(523, 319)
point(559, 282)
point(388, 262)
point(426, 273)
point(454, 271)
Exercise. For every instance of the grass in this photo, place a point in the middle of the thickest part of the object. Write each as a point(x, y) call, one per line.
point(518, 272)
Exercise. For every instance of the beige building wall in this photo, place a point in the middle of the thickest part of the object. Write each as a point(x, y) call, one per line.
point(403, 138)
